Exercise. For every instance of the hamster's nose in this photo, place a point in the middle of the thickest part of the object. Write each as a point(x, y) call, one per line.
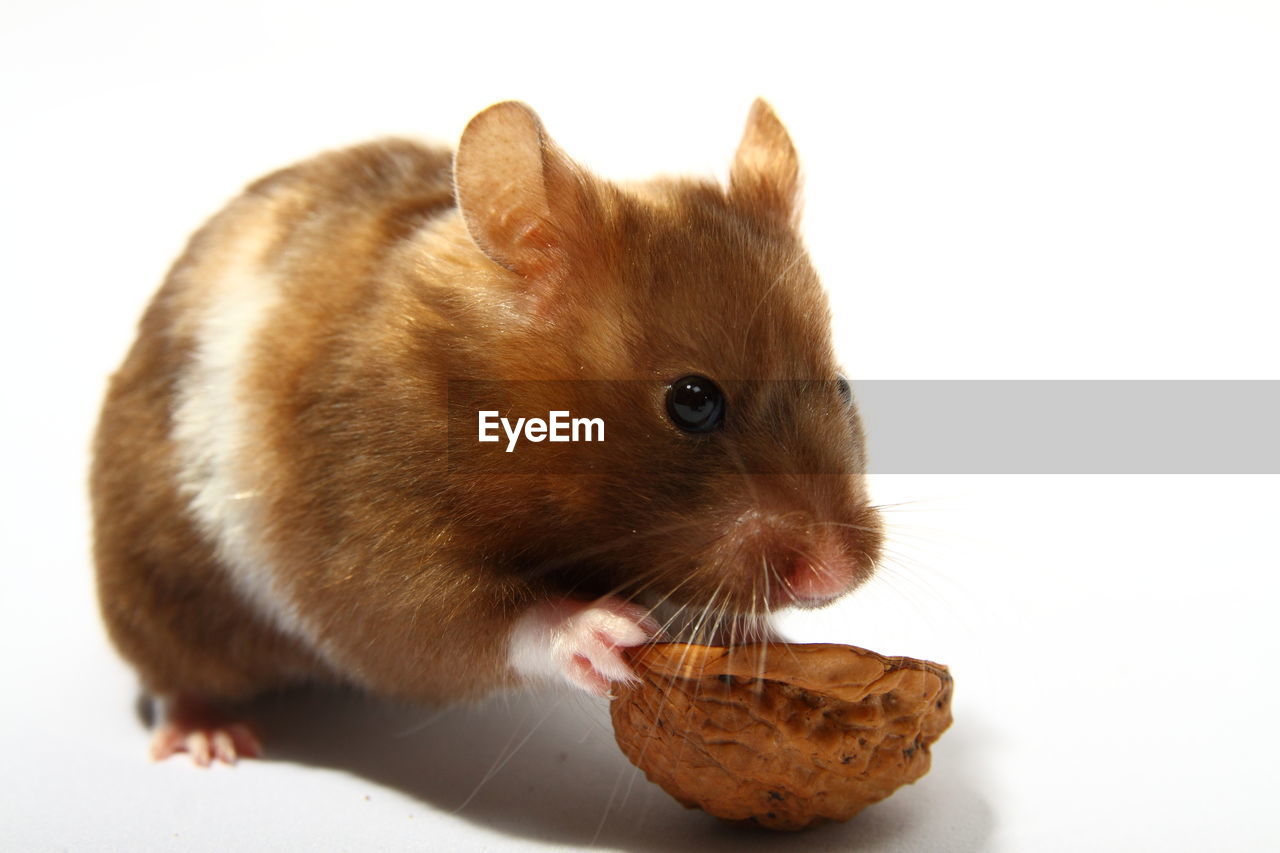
point(813, 579)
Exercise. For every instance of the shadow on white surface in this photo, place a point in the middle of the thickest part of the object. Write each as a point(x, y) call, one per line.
point(545, 768)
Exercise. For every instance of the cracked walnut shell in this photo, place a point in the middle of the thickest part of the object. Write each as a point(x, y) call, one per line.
point(785, 735)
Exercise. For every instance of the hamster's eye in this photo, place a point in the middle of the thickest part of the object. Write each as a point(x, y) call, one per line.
point(846, 390)
point(695, 404)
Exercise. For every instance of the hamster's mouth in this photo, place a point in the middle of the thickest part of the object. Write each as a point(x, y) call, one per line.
point(808, 585)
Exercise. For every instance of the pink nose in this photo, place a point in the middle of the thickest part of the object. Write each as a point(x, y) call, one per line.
point(813, 580)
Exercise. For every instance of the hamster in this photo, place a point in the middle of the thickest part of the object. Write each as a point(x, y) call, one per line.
point(276, 496)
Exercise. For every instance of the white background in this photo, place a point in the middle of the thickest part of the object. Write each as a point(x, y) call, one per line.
point(1082, 190)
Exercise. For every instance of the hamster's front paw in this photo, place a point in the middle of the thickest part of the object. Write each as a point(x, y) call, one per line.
point(580, 641)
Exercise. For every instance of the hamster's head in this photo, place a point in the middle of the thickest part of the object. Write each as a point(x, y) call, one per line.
point(688, 314)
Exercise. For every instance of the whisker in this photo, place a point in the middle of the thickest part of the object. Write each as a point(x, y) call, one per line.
point(502, 762)
point(746, 330)
point(618, 542)
point(845, 525)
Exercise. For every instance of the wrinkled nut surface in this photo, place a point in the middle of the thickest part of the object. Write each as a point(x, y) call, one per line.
point(785, 735)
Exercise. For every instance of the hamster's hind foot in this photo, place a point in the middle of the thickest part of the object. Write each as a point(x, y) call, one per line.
point(197, 728)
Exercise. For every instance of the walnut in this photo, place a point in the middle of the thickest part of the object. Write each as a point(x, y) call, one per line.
point(785, 735)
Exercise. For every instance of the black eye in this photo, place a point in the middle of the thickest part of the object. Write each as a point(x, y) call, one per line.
point(846, 390)
point(695, 404)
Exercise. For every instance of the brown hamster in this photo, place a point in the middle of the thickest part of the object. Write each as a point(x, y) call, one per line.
point(276, 498)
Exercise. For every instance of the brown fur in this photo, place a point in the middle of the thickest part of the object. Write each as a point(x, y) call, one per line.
point(413, 570)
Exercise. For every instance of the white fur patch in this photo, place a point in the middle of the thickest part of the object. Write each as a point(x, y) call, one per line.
point(215, 430)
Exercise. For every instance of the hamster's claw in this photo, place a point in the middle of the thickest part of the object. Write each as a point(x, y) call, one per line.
point(581, 642)
point(205, 746)
point(594, 639)
point(203, 733)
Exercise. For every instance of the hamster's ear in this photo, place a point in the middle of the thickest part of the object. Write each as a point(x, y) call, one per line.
point(766, 171)
point(518, 192)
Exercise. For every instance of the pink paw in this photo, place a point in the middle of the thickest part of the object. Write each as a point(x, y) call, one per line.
point(580, 642)
point(195, 728)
